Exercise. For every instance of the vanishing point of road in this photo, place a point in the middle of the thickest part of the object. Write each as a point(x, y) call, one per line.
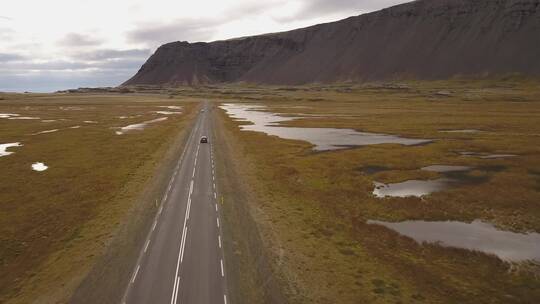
point(182, 258)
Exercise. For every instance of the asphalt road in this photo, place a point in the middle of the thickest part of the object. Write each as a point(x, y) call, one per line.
point(182, 258)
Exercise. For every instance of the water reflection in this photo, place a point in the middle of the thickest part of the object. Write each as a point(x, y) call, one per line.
point(321, 138)
point(446, 168)
point(4, 147)
point(478, 235)
point(453, 176)
point(485, 155)
point(138, 126)
point(417, 188)
point(39, 167)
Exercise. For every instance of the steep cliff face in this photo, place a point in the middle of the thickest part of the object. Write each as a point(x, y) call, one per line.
point(425, 39)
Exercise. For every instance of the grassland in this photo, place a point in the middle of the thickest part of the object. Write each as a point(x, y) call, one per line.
point(311, 208)
point(55, 224)
point(295, 219)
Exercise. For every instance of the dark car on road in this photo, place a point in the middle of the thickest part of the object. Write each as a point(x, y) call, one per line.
point(204, 140)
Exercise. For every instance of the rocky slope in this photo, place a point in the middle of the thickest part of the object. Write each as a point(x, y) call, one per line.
point(425, 39)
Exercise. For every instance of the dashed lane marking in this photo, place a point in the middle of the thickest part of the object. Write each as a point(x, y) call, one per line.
point(146, 245)
point(222, 273)
point(135, 274)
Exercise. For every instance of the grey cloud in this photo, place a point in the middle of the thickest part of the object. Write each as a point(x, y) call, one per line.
point(60, 75)
point(107, 54)
point(253, 8)
point(184, 29)
point(6, 34)
point(75, 39)
point(54, 65)
point(48, 81)
point(120, 64)
point(5, 57)
point(319, 8)
point(193, 29)
point(63, 65)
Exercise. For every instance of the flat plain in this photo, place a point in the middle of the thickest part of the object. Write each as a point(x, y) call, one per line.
point(304, 221)
point(55, 224)
point(315, 209)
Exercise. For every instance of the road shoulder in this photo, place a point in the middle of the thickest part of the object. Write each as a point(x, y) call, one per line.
point(251, 275)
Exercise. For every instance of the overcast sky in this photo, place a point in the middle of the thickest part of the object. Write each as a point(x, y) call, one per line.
point(58, 44)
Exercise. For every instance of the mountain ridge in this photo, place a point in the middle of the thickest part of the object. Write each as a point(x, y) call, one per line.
point(424, 39)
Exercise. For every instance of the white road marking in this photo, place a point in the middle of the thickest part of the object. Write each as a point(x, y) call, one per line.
point(135, 275)
point(188, 208)
point(222, 273)
point(146, 246)
point(183, 245)
point(190, 139)
point(177, 278)
point(175, 289)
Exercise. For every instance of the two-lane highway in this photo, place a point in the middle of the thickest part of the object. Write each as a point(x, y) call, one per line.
point(182, 258)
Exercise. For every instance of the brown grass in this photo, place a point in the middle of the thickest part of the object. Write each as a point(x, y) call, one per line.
point(314, 205)
point(54, 224)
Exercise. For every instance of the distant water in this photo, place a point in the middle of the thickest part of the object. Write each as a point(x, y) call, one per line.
point(445, 168)
point(322, 138)
point(419, 188)
point(39, 167)
point(4, 147)
point(409, 188)
point(138, 126)
point(478, 235)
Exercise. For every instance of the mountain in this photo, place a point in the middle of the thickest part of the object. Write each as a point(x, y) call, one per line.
point(425, 39)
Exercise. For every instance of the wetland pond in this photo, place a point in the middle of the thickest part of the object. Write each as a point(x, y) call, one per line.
point(419, 188)
point(39, 167)
point(478, 235)
point(4, 147)
point(322, 138)
point(16, 116)
point(485, 155)
point(138, 126)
